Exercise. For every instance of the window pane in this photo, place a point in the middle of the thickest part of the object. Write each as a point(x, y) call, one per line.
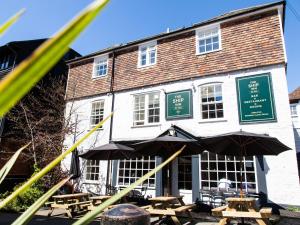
point(135, 168)
point(96, 113)
point(208, 47)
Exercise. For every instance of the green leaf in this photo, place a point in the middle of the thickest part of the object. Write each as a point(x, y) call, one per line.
point(10, 22)
point(87, 218)
point(6, 168)
point(51, 165)
point(18, 82)
point(29, 213)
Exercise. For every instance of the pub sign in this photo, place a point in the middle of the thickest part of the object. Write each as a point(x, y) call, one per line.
point(255, 98)
point(179, 104)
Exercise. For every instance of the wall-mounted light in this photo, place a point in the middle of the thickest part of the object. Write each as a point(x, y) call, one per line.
point(172, 131)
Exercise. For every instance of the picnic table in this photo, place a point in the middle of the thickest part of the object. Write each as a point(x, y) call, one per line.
point(169, 206)
point(242, 208)
point(71, 203)
point(97, 200)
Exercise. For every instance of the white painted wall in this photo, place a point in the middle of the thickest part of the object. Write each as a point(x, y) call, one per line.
point(281, 171)
point(82, 108)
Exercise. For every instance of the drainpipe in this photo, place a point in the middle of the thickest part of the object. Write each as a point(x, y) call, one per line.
point(109, 163)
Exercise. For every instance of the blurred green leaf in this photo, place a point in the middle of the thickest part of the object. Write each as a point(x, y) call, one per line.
point(18, 82)
point(51, 165)
point(87, 218)
point(10, 21)
point(29, 213)
point(9, 164)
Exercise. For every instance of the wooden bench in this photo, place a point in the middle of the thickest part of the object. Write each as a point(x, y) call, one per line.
point(264, 213)
point(218, 211)
point(185, 208)
point(70, 207)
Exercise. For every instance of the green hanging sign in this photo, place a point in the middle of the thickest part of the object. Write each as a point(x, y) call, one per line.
point(179, 105)
point(255, 98)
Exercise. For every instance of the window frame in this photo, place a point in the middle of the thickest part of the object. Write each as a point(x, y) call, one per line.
point(86, 168)
point(217, 161)
point(97, 61)
point(200, 102)
point(293, 114)
point(146, 109)
point(148, 47)
point(91, 109)
point(5, 62)
point(203, 29)
point(131, 179)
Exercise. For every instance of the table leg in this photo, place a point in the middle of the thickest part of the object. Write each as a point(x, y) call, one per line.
point(69, 213)
point(51, 211)
point(223, 221)
point(181, 201)
point(259, 221)
point(175, 220)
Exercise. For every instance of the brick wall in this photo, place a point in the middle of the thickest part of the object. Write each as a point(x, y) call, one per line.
point(246, 43)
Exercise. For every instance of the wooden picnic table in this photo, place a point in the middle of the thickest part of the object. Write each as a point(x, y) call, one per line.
point(169, 206)
point(242, 208)
point(97, 200)
point(70, 202)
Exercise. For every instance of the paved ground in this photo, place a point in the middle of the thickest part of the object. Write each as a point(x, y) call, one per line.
point(59, 218)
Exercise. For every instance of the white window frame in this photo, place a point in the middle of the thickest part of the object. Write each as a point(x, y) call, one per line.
point(203, 29)
point(200, 102)
point(103, 59)
point(293, 109)
point(236, 171)
point(133, 172)
point(91, 126)
point(146, 109)
point(148, 47)
point(86, 171)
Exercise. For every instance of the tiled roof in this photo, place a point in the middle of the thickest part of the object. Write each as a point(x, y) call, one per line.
point(295, 95)
point(166, 34)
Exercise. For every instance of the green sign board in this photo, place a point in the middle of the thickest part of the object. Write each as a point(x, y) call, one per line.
point(179, 104)
point(255, 98)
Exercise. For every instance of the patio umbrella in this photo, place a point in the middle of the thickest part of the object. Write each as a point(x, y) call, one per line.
point(109, 151)
point(75, 165)
point(164, 146)
point(244, 144)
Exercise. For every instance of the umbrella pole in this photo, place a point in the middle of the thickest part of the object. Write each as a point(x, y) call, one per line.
point(241, 178)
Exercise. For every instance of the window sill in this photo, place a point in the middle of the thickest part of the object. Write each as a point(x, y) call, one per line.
point(147, 125)
point(204, 53)
point(98, 77)
point(212, 120)
point(146, 66)
point(99, 129)
point(95, 182)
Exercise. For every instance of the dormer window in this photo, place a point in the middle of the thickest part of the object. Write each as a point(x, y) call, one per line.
point(4, 62)
point(208, 39)
point(100, 66)
point(147, 54)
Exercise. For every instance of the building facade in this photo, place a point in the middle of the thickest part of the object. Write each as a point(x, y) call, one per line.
point(295, 110)
point(222, 75)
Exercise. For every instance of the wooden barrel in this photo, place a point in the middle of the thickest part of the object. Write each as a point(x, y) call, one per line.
point(125, 214)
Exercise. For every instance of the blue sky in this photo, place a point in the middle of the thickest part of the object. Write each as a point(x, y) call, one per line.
point(124, 21)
